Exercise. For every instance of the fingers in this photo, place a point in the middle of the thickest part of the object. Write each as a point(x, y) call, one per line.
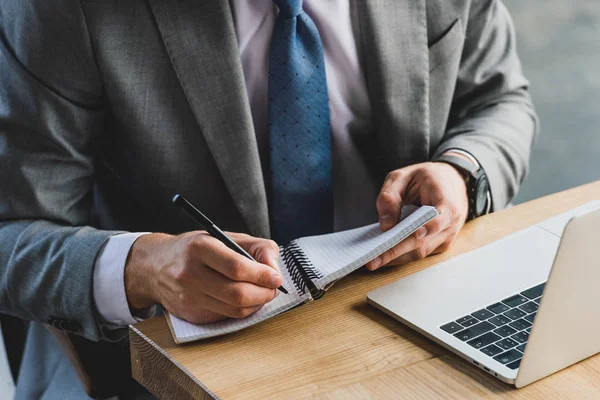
point(234, 266)
point(221, 308)
point(436, 244)
point(199, 316)
point(208, 310)
point(432, 184)
point(389, 201)
point(228, 310)
point(237, 294)
point(202, 280)
point(264, 251)
point(439, 223)
point(414, 248)
point(407, 245)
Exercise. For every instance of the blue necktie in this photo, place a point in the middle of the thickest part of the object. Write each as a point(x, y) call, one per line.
point(301, 200)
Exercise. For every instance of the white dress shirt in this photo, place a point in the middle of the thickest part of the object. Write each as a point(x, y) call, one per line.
point(350, 110)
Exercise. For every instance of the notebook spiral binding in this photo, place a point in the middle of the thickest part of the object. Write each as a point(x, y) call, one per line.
point(301, 270)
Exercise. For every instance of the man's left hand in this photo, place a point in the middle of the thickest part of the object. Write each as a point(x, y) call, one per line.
point(434, 184)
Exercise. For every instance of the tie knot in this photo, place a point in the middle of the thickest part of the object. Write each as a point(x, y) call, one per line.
point(289, 8)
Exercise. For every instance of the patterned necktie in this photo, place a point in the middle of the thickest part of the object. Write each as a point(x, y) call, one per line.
point(301, 200)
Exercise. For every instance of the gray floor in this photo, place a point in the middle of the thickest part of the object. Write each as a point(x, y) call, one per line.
point(559, 44)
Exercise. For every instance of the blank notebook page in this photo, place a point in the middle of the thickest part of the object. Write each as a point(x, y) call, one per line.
point(336, 255)
point(185, 331)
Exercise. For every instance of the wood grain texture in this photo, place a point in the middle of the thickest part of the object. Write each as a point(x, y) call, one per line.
point(339, 347)
point(159, 373)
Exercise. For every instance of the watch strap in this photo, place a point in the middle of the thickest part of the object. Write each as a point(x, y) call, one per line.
point(459, 163)
point(474, 174)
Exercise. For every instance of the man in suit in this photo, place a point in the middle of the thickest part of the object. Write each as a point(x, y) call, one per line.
point(277, 119)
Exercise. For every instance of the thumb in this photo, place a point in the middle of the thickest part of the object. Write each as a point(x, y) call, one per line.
point(389, 201)
point(266, 252)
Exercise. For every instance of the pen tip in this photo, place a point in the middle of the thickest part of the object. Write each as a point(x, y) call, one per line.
point(175, 198)
point(283, 290)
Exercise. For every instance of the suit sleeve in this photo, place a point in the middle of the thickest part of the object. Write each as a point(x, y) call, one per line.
point(492, 116)
point(51, 115)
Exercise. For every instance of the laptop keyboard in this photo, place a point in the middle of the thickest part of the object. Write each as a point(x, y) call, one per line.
point(500, 330)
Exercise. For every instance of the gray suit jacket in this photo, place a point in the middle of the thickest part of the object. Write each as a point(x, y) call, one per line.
point(107, 108)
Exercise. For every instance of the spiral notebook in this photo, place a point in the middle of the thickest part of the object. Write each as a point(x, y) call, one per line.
point(309, 266)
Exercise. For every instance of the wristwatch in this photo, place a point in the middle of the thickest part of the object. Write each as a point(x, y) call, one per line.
point(478, 186)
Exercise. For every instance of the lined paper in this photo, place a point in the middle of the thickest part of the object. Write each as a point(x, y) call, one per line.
point(338, 254)
point(184, 331)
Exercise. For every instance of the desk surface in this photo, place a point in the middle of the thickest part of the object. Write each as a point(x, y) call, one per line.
point(339, 347)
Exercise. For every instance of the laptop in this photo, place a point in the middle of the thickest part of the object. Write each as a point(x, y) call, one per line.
point(520, 308)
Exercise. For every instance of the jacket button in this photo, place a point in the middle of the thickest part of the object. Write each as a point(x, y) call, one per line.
point(66, 325)
point(71, 326)
point(53, 322)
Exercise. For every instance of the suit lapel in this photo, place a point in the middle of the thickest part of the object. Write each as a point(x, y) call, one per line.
point(200, 39)
point(394, 42)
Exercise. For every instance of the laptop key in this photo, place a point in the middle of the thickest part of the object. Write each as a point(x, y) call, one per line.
point(514, 364)
point(521, 347)
point(498, 308)
point(528, 330)
point(537, 301)
point(491, 350)
point(515, 300)
point(534, 292)
point(530, 317)
point(484, 340)
point(483, 314)
point(515, 313)
point(499, 320)
point(474, 331)
point(505, 331)
point(507, 344)
point(451, 327)
point(520, 324)
point(467, 321)
point(529, 308)
point(508, 356)
point(521, 337)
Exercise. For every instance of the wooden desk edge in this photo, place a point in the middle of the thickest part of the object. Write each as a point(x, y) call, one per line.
point(175, 380)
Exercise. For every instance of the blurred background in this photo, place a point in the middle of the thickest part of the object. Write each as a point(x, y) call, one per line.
point(559, 44)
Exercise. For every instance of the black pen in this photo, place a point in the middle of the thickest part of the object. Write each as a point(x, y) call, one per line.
point(212, 229)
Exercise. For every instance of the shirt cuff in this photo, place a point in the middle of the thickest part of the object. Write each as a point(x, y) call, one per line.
point(109, 282)
point(466, 154)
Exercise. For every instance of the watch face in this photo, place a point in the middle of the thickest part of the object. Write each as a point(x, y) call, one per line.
point(481, 192)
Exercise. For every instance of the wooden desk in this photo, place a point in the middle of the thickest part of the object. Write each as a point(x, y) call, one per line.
point(339, 347)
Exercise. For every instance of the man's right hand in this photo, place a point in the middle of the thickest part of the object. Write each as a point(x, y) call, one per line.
point(196, 277)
